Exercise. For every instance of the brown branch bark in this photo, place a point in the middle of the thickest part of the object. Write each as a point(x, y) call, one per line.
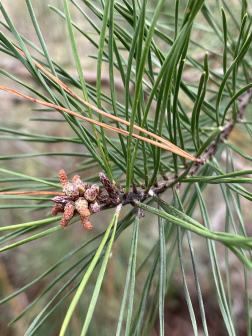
point(161, 187)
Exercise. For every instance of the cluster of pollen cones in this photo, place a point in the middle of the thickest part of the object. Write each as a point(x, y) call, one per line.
point(82, 198)
point(79, 198)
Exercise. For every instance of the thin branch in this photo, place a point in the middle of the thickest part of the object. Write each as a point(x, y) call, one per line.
point(159, 188)
point(227, 129)
point(141, 195)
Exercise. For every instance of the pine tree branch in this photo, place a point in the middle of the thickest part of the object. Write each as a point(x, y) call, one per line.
point(161, 187)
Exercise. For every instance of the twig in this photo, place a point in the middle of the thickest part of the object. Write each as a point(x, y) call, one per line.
point(143, 194)
point(159, 188)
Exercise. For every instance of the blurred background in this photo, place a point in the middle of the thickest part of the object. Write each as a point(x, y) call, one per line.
point(21, 265)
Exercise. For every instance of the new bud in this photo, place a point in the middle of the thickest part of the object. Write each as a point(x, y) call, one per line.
point(80, 185)
point(90, 194)
point(94, 206)
point(72, 191)
point(81, 205)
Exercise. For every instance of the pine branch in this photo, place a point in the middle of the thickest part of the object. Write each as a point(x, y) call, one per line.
point(161, 187)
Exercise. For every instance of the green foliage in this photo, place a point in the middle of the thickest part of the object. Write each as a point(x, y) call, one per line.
point(197, 103)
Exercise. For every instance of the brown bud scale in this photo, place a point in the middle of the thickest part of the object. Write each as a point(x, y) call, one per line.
point(104, 198)
point(107, 185)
